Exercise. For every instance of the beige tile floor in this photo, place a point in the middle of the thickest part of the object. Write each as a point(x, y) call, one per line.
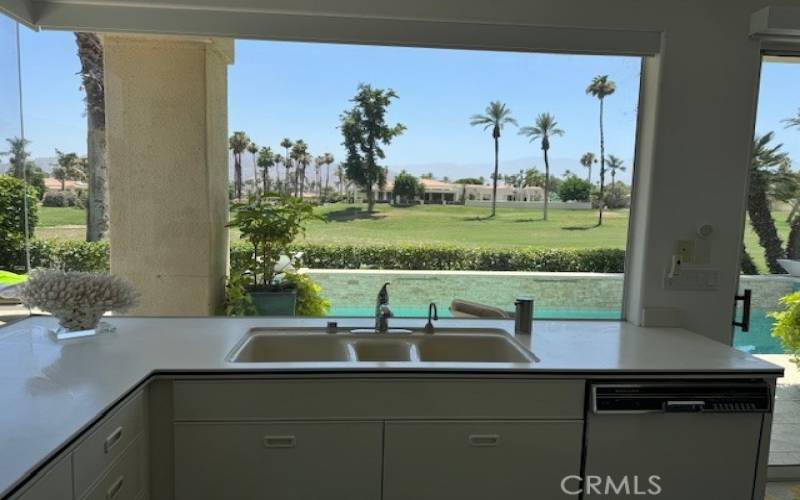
point(785, 445)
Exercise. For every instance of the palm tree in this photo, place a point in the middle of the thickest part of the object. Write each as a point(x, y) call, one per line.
point(601, 87)
point(765, 158)
point(90, 53)
point(266, 159)
point(614, 165)
point(300, 155)
point(18, 155)
point(252, 148)
point(286, 144)
point(793, 121)
point(326, 160)
point(496, 116)
point(238, 144)
point(318, 162)
point(340, 174)
point(544, 128)
point(278, 159)
point(587, 160)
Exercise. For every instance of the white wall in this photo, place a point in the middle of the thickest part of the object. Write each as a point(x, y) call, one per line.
point(698, 102)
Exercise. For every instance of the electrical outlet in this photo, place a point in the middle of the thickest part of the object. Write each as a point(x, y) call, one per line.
point(693, 279)
point(685, 249)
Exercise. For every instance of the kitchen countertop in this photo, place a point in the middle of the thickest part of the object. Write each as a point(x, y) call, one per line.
point(51, 391)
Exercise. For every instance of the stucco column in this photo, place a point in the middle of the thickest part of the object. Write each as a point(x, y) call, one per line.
point(166, 121)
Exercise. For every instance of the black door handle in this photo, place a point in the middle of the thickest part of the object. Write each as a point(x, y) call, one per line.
point(745, 298)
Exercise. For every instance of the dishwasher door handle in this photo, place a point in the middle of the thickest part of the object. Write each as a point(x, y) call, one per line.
point(684, 406)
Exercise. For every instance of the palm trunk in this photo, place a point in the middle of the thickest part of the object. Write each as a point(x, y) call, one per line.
point(546, 183)
point(237, 174)
point(327, 178)
point(255, 174)
point(286, 179)
point(793, 242)
point(589, 179)
point(370, 199)
point(63, 184)
point(763, 223)
point(496, 169)
point(602, 200)
point(265, 180)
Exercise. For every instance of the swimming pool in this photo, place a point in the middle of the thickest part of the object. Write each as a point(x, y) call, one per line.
point(758, 340)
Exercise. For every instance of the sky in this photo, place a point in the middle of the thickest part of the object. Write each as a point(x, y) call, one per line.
point(298, 90)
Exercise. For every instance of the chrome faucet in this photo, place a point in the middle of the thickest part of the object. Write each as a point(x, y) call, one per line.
point(433, 315)
point(382, 310)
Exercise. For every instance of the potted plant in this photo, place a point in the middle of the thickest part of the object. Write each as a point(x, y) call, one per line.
point(270, 224)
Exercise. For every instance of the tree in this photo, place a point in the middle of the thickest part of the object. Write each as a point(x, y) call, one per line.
point(587, 160)
point(238, 143)
point(35, 177)
point(302, 159)
point(574, 188)
point(428, 175)
point(252, 148)
point(544, 127)
point(407, 187)
point(90, 53)
point(496, 117)
point(365, 132)
point(18, 155)
point(470, 180)
point(341, 175)
point(765, 158)
point(614, 165)
point(69, 167)
point(324, 160)
point(266, 160)
point(788, 190)
point(601, 87)
point(287, 144)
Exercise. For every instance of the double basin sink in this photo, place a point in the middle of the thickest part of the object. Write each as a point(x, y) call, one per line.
point(314, 345)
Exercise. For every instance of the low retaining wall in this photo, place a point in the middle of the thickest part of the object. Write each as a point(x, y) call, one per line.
point(533, 205)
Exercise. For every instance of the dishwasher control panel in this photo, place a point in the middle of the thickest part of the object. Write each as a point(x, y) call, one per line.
point(681, 397)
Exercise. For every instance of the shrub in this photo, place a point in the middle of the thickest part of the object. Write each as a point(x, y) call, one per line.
point(60, 199)
point(575, 189)
point(787, 325)
point(12, 221)
point(437, 257)
point(70, 255)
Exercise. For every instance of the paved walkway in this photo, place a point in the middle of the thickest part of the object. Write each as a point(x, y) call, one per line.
point(785, 446)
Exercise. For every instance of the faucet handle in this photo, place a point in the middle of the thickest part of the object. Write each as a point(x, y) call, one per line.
point(386, 311)
point(383, 294)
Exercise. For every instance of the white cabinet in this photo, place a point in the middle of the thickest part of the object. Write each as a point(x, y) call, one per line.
point(55, 484)
point(523, 460)
point(280, 460)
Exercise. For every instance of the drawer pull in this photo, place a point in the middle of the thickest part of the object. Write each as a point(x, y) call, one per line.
point(113, 439)
point(279, 441)
point(115, 488)
point(484, 439)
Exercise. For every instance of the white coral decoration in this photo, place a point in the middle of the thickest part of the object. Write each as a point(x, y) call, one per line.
point(78, 300)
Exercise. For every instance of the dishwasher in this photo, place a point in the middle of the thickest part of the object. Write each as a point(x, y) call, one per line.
point(693, 440)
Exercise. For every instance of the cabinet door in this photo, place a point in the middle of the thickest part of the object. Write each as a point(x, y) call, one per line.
point(282, 461)
point(55, 484)
point(479, 460)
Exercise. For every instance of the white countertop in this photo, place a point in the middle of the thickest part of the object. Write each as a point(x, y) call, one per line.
point(51, 391)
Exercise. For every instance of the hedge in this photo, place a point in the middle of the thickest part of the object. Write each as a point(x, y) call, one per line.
point(73, 255)
point(454, 258)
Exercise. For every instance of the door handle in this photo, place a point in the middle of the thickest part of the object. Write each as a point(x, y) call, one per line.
point(279, 441)
point(112, 439)
point(744, 324)
point(484, 439)
point(115, 488)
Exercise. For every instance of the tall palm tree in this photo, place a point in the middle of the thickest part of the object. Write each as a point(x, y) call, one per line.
point(765, 158)
point(278, 159)
point(327, 160)
point(793, 121)
point(238, 144)
point(601, 87)
point(300, 155)
point(496, 116)
point(266, 159)
point(90, 53)
point(615, 164)
point(793, 241)
point(544, 127)
point(340, 174)
point(318, 162)
point(287, 144)
point(587, 160)
point(252, 148)
point(18, 155)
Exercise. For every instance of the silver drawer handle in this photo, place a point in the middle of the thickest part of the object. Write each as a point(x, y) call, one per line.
point(113, 439)
point(484, 439)
point(115, 488)
point(279, 441)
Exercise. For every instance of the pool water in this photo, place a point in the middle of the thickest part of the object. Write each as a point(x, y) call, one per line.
point(758, 340)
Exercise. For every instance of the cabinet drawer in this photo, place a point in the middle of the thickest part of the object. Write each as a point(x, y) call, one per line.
point(125, 479)
point(107, 442)
point(286, 461)
point(377, 399)
point(480, 460)
point(55, 484)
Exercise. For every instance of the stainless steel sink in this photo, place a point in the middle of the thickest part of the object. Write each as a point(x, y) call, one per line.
point(314, 345)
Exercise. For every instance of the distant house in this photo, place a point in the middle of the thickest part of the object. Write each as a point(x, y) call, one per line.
point(51, 183)
point(439, 192)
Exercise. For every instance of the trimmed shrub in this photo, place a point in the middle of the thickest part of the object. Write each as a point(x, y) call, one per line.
point(70, 255)
point(12, 221)
point(59, 199)
point(452, 258)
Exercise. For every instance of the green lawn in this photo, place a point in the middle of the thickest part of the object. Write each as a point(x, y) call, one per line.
point(454, 225)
